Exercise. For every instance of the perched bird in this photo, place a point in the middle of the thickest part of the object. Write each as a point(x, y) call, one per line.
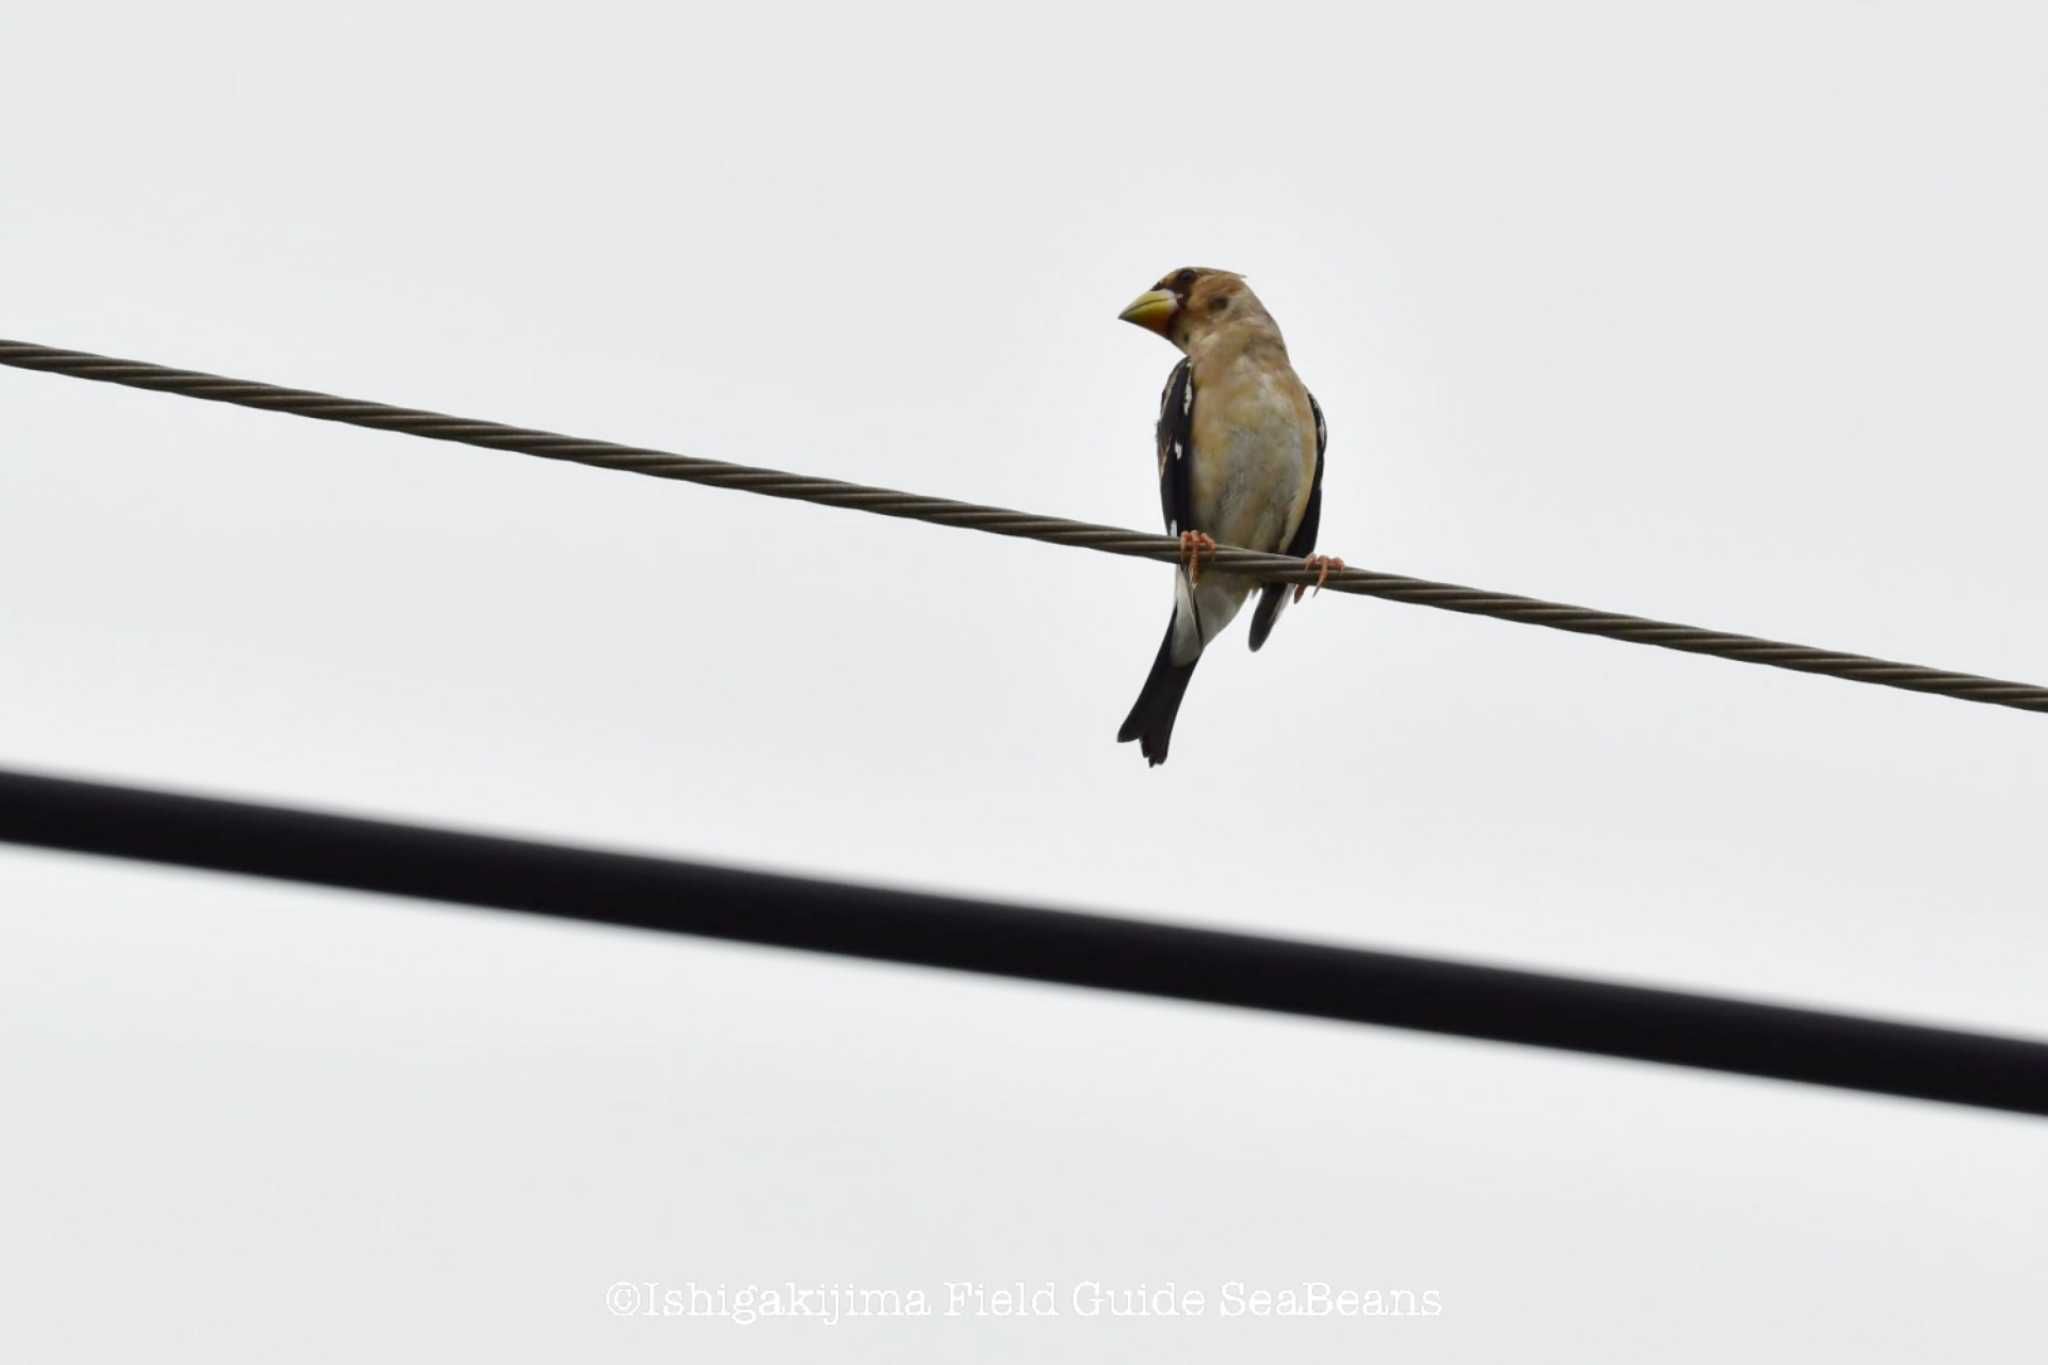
point(1240, 461)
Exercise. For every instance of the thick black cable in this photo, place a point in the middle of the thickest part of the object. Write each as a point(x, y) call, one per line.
point(1008, 522)
point(1146, 958)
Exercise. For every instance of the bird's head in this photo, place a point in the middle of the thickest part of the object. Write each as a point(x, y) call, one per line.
point(1192, 303)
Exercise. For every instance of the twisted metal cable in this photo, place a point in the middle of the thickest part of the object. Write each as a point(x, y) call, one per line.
point(1004, 521)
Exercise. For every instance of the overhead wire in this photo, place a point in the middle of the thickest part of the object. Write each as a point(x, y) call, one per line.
point(1005, 521)
point(1287, 976)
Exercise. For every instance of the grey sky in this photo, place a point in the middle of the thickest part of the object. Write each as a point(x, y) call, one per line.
point(1729, 315)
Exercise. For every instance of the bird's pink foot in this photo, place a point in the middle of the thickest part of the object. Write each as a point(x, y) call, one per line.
point(1193, 545)
point(1324, 565)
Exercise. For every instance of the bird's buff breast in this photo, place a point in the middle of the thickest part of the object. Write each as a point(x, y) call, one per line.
point(1252, 467)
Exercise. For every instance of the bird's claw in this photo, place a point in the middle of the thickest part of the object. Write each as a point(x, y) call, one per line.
point(1324, 565)
point(1193, 545)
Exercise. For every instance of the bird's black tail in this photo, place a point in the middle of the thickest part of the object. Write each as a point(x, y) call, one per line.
point(1151, 718)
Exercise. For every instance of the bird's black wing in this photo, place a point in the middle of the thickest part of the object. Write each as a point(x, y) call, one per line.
point(1151, 718)
point(1273, 596)
point(1304, 542)
point(1176, 450)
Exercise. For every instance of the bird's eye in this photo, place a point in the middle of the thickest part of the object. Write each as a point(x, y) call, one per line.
point(1183, 282)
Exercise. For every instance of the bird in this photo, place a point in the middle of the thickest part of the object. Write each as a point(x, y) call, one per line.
point(1240, 446)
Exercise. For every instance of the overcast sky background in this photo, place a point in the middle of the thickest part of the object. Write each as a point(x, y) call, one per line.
point(1726, 314)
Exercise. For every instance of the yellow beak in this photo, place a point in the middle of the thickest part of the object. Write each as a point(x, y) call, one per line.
point(1151, 310)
